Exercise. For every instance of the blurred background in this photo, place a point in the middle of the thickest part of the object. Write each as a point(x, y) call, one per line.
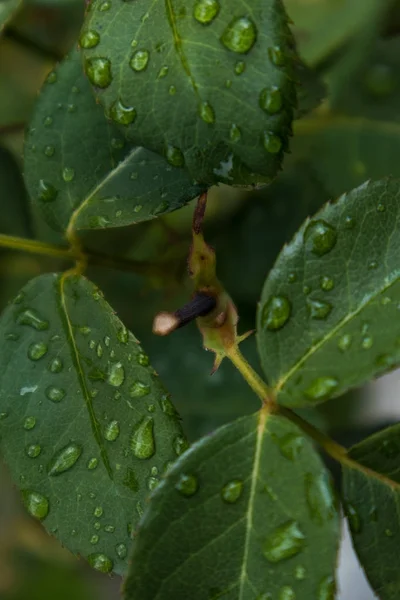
point(354, 135)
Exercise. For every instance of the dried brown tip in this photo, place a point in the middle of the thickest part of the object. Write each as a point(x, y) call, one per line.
point(165, 323)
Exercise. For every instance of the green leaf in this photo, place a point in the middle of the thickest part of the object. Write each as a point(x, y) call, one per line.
point(244, 514)
point(15, 218)
point(345, 151)
point(371, 492)
point(86, 428)
point(7, 10)
point(322, 27)
point(325, 321)
point(75, 160)
point(211, 84)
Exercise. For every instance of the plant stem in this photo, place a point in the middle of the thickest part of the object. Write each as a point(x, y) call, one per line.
point(262, 390)
point(93, 258)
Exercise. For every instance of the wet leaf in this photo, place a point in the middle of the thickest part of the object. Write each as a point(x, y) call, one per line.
point(243, 514)
point(371, 493)
point(7, 10)
point(87, 429)
point(76, 160)
point(325, 321)
point(212, 84)
point(15, 217)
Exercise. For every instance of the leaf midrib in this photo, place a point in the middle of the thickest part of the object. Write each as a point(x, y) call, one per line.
point(79, 370)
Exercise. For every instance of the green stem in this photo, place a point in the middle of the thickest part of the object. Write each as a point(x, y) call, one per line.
point(265, 393)
point(93, 258)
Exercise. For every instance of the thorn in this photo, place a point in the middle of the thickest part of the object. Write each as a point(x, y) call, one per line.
point(243, 337)
point(217, 363)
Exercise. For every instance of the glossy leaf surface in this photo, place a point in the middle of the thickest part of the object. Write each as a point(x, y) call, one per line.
point(211, 84)
point(224, 523)
point(371, 492)
point(325, 321)
point(86, 427)
point(76, 160)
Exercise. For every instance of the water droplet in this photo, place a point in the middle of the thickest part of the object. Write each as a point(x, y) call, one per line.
point(139, 389)
point(272, 143)
point(285, 541)
point(137, 208)
point(240, 35)
point(33, 450)
point(163, 72)
point(321, 388)
point(56, 365)
point(276, 56)
point(29, 423)
point(367, 342)
point(89, 39)
point(240, 67)
point(289, 444)
point(142, 439)
point(36, 504)
point(353, 518)
point(94, 539)
point(271, 100)
point(3, 415)
point(389, 533)
point(234, 134)
point(55, 394)
point(327, 284)
point(99, 350)
point(172, 90)
point(320, 498)
point(46, 191)
point(327, 588)
point(98, 512)
point(152, 483)
point(51, 77)
point(68, 174)
point(187, 485)
point(121, 551)
point(100, 562)
point(122, 114)
point(123, 335)
point(167, 407)
point(320, 237)
point(344, 342)
point(98, 71)
point(180, 444)
point(37, 351)
point(275, 313)
point(232, 491)
point(49, 151)
point(111, 431)
point(47, 121)
point(116, 374)
point(174, 156)
point(143, 359)
point(97, 526)
point(64, 459)
point(286, 593)
point(381, 207)
point(92, 463)
point(300, 572)
point(205, 11)
point(318, 309)
point(139, 60)
point(207, 113)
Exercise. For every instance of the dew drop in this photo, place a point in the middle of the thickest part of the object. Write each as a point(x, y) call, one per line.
point(320, 237)
point(276, 56)
point(381, 207)
point(367, 342)
point(327, 588)
point(284, 542)
point(94, 539)
point(327, 284)
point(98, 71)
point(353, 518)
point(240, 67)
point(29, 423)
point(207, 113)
point(64, 459)
point(240, 35)
point(98, 512)
point(116, 374)
point(100, 562)
point(46, 191)
point(89, 39)
point(174, 156)
point(37, 351)
point(143, 359)
point(121, 551)
point(55, 394)
point(272, 143)
point(36, 504)
point(320, 498)
point(111, 431)
point(138, 389)
point(180, 445)
point(234, 134)
point(286, 593)
point(321, 388)
point(232, 491)
point(49, 151)
point(318, 309)
point(344, 342)
point(205, 11)
point(275, 313)
point(122, 114)
point(289, 444)
point(187, 485)
point(167, 407)
point(300, 572)
point(172, 90)
point(33, 450)
point(270, 100)
point(139, 60)
point(142, 439)
point(92, 463)
point(163, 72)
point(68, 174)
point(51, 77)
